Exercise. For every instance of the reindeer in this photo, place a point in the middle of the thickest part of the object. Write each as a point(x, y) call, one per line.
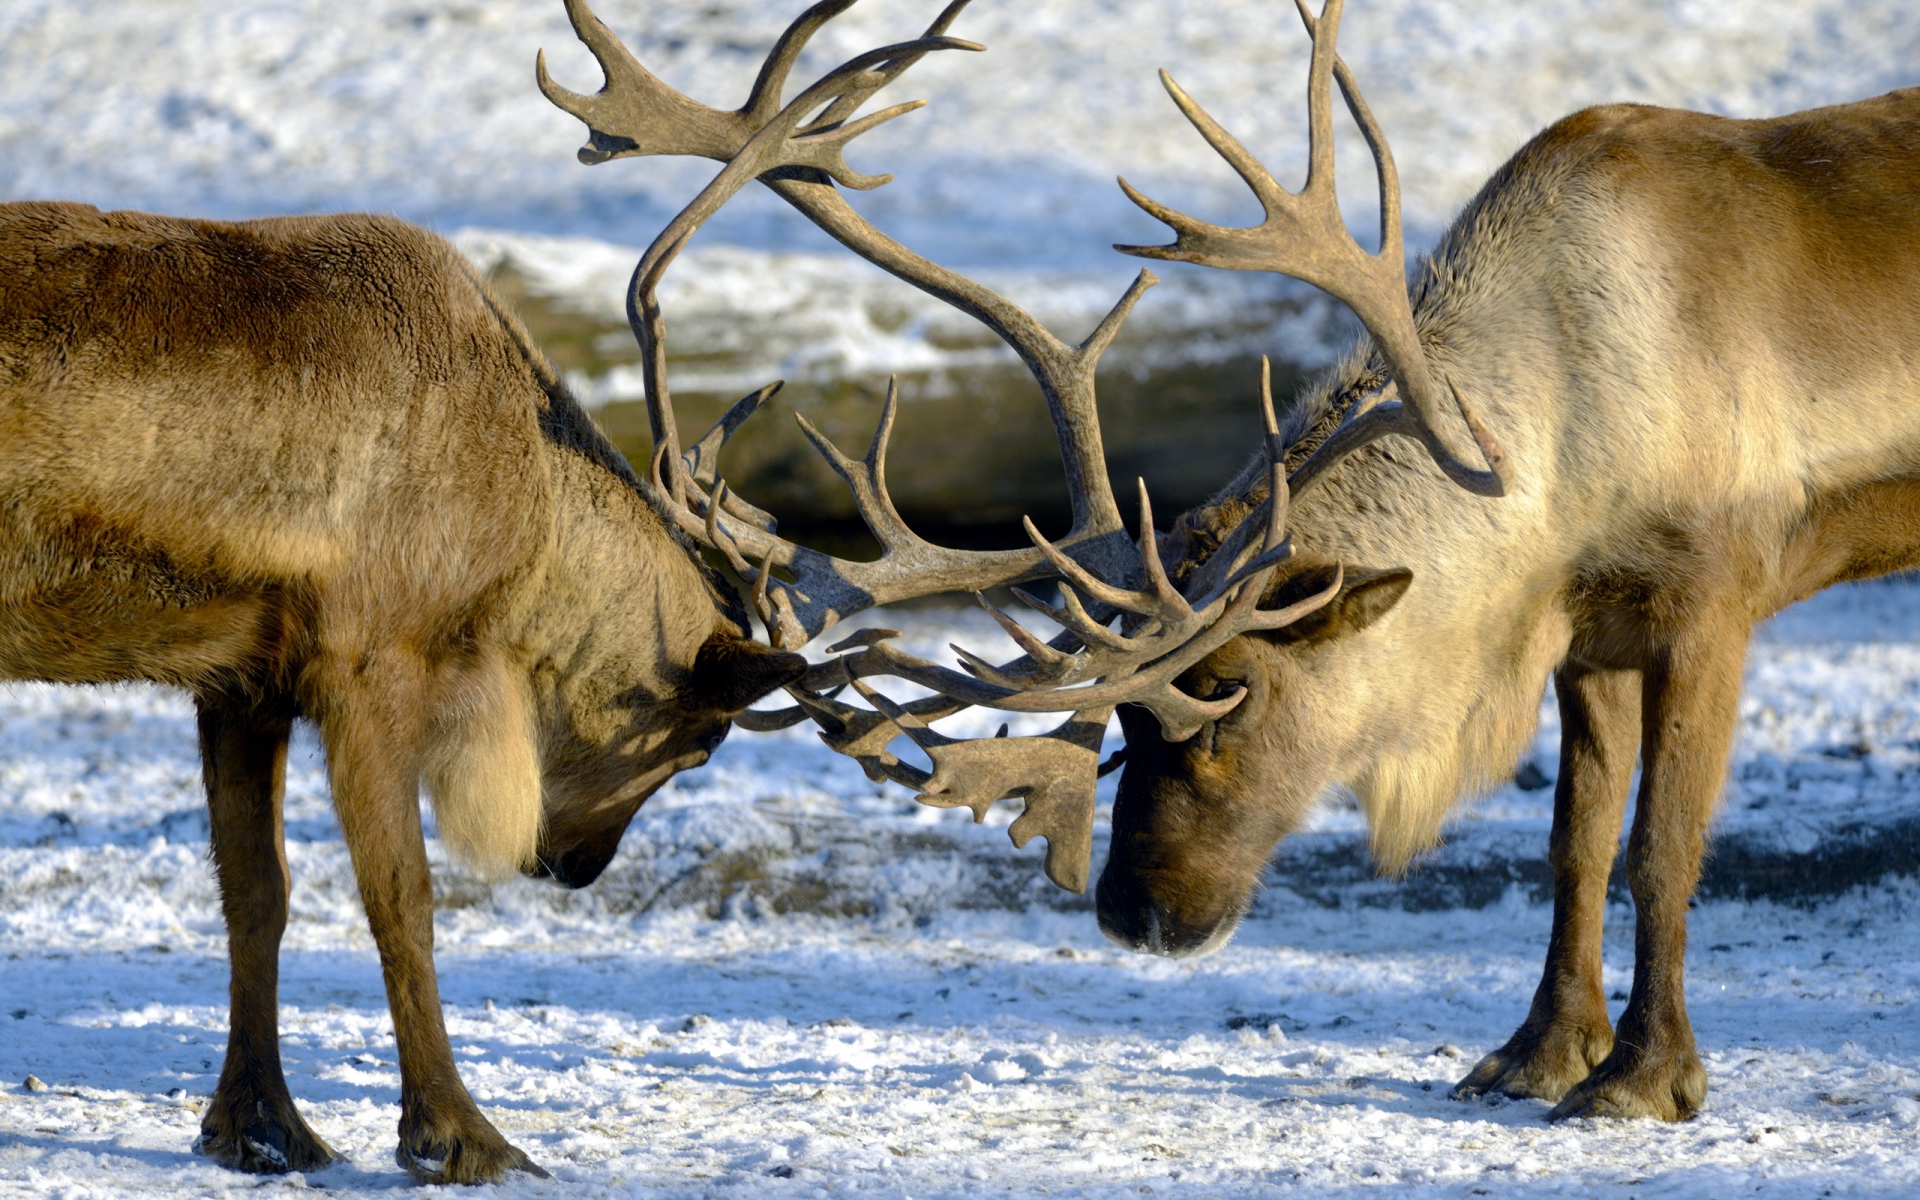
point(1700, 339)
point(311, 469)
point(1699, 336)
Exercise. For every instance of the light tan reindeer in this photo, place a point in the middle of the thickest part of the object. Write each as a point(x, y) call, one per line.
point(310, 468)
point(1700, 339)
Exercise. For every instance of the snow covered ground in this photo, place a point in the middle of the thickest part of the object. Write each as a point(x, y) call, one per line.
point(884, 1027)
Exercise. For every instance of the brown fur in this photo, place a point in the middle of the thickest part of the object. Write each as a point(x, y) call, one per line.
point(1700, 340)
point(308, 467)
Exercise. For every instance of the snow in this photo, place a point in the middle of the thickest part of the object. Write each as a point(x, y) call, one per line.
point(887, 1031)
point(428, 107)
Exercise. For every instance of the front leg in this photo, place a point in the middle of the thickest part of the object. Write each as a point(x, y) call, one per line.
point(1690, 704)
point(374, 727)
point(251, 1123)
point(1566, 1033)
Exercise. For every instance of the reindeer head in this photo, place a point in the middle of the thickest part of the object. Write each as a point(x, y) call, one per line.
point(1195, 820)
point(595, 779)
point(1196, 817)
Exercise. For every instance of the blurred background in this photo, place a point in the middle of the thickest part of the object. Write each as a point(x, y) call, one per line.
point(427, 110)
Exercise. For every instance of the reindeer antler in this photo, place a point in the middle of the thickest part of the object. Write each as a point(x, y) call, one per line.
point(1305, 236)
point(796, 149)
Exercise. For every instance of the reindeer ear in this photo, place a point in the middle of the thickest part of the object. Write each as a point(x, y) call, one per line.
point(1365, 596)
point(732, 672)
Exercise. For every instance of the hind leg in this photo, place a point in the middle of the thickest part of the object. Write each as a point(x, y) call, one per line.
point(251, 1124)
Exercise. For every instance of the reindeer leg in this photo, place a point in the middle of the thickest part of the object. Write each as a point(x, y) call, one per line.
point(373, 731)
point(1690, 704)
point(1566, 1033)
point(251, 1124)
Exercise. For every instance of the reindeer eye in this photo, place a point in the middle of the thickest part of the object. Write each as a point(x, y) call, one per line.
point(1224, 688)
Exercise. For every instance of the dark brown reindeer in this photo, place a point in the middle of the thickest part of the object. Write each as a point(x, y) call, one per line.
point(1700, 339)
point(309, 468)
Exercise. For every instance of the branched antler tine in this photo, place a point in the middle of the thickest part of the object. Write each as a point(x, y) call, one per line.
point(1265, 187)
point(1165, 594)
point(1389, 175)
point(839, 132)
point(762, 720)
point(1276, 461)
point(866, 481)
point(915, 729)
point(1074, 617)
point(762, 602)
point(981, 668)
point(843, 107)
point(1181, 715)
point(752, 514)
point(1038, 650)
point(1305, 236)
point(616, 62)
point(1180, 222)
point(1275, 618)
point(634, 112)
point(1320, 98)
point(1103, 333)
point(876, 461)
point(563, 98)
point(591, 30)
point(857, 74)
point(846, 468)
point(1078, 575)
point(764, 100)
point(827, 138)
point(771, 146)
point(703, 461)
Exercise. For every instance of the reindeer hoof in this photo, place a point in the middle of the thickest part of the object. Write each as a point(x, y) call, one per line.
point(473, 1155)
point(261, 1138)
point(1672, 1089)
point(1539, 1064)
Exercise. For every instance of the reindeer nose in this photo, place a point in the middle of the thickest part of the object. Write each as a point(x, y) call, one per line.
point(1130, 918)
